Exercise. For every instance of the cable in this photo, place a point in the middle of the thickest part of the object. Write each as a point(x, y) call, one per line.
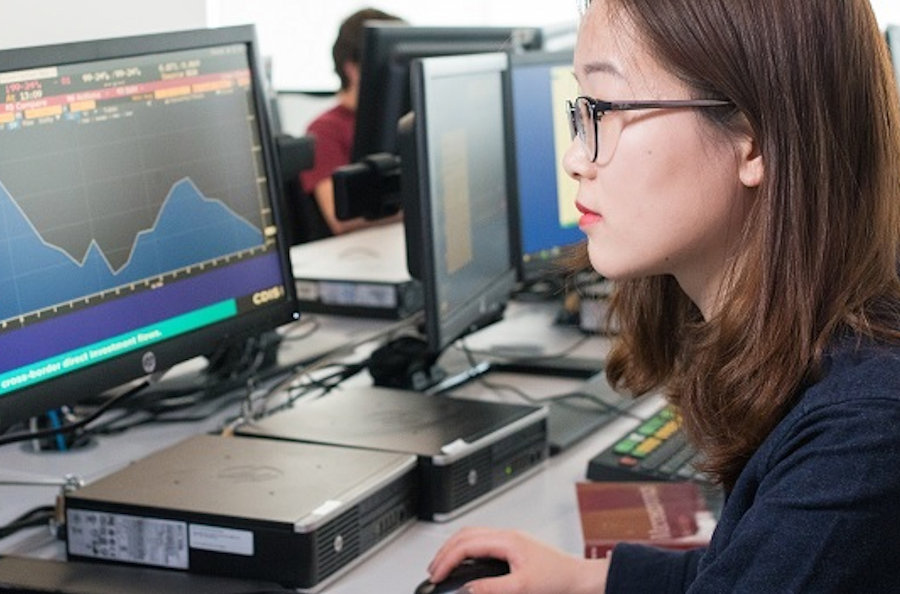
point(351, 346)
point(559, 398)
point(291, 383)
point(304, 320)
point(494, 354)
point(139, 418)
point(154, 411)
point(295, 391)
point(26, 435)
point(55, 423)
point(229, 370)
point(30, 519)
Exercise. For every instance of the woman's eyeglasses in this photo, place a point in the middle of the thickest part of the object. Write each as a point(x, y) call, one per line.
point(585, 113)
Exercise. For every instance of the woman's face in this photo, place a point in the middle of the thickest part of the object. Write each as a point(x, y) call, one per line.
point(664, 196)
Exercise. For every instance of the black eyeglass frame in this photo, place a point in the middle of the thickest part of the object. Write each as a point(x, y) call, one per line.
point(598, 109)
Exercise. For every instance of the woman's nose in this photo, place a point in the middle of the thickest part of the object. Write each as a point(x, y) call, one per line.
point(575, 161)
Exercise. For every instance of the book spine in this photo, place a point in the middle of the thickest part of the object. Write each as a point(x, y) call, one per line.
point(601, 550)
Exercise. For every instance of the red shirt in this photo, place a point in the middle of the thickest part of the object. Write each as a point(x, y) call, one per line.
point(333, 131)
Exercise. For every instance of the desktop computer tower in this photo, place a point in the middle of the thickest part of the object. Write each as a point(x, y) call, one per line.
point(468, 450)
point(292, 513)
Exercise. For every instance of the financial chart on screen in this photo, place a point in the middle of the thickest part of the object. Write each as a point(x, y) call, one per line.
point(136, 209)
point(119, 176)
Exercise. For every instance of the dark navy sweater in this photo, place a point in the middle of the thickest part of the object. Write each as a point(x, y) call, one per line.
point(816, 508)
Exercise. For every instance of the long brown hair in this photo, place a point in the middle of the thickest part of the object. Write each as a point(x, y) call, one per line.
point(811, 81)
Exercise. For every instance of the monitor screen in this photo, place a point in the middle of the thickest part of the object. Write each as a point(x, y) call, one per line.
point(545, 216)
point(455, 195)
point(140, 217)
point(388, 49)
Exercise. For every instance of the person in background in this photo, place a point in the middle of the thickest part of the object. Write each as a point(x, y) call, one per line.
point(333, 129)
point(738, 165)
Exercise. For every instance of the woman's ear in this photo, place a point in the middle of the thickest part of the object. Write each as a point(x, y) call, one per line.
point(751, 168)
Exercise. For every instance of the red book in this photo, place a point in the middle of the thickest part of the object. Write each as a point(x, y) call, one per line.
point(664, 514)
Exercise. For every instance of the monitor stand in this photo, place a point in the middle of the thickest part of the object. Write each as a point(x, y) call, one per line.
point(229, 368)
point(408, 363)
point(405, 363)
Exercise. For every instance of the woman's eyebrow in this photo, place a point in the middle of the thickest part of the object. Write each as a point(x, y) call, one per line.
point(601, 66)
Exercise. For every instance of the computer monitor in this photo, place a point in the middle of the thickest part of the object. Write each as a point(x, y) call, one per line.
point(140, 212)
point(369, 186)
point(388, 49)
point(544, 214)
point(454, 187)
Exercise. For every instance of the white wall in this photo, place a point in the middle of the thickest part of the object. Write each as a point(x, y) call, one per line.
point(288, 29)
point(887, 12)
point(41, 22)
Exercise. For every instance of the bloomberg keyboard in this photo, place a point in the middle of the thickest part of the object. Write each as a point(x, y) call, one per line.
point(656, 450)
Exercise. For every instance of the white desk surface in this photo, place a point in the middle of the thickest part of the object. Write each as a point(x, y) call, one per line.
point(543, 504)
point(375, 254)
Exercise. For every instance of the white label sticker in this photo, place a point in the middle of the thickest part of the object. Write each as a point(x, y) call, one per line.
point(361, 294)
point(132, 539)
point(221, 540)
point(327, 507)
point(307, 290)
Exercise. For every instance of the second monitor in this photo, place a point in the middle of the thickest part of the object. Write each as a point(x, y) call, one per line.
point(454, 188)
point(544, 213)
point(389, 50)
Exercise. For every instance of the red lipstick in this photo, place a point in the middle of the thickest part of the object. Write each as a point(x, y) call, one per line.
point(588, 216)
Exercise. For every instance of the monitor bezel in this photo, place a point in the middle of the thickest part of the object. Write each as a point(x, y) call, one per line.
point(88, 382)
point(387, 43)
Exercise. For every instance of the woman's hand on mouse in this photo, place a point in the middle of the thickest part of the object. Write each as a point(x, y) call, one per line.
point(535, 567)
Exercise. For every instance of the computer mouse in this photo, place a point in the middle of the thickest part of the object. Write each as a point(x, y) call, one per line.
point(462, 574)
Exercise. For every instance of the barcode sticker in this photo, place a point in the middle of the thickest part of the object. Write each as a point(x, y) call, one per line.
point(131, 539)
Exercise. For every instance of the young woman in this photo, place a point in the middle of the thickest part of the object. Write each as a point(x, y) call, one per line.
point(739, 177)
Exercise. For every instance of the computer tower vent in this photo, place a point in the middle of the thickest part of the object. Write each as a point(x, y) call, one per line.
point(337, 543)
point(513, 445)
point(470, 477)
point(386, 511)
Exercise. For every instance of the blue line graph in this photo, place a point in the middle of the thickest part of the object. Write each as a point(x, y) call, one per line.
point(189, 228)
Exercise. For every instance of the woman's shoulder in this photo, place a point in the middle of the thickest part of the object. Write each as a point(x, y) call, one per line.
point(860, 383)
point(853, 408)
point(857, 369)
